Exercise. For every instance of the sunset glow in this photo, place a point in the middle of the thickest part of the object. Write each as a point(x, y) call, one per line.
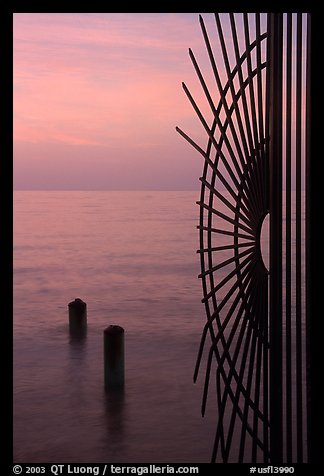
point(97, 98)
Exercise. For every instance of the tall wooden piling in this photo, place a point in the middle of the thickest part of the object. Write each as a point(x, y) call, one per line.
point(114, 365)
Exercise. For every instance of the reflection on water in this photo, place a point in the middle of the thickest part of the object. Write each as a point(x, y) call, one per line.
point(77, 337)
point(115, 418)
point(76, 368)
point(133, 259)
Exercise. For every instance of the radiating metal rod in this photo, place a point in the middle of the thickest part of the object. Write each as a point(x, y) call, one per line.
point(252, 185)
point(226, 217)
point(225, 280)
point(248, 318)
point(248, 221)
point(253, 146)
point(251, 369)
point(224, 104)
point(225, 232)
point(253, 106)
point(253, 164)
point(217, 146)
point(226, 247)
point(213, 166)
point(226, 262)
point(247, 272)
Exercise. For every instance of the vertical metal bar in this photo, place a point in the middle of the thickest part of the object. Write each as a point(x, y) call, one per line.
point(275, 124)
point(299, 353)
point(288, 239)
point(267, 198)
point(260, 102)
point(265, 371)
point(263, 283)
point(259, 77)
point(308, 234)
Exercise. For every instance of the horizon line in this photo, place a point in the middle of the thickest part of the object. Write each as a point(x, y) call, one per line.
point(117, 190)
point(101, 190)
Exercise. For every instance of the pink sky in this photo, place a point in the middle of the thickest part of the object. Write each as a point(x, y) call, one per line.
point(97, 98)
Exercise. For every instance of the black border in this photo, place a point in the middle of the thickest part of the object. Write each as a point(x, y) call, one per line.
point(317, 189)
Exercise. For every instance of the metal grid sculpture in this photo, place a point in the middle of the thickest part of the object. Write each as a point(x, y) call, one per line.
point(255, 161)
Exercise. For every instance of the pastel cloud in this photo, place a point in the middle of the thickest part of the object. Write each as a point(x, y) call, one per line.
point(108, 85)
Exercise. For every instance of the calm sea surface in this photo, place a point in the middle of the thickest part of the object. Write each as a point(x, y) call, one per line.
point(132, 257)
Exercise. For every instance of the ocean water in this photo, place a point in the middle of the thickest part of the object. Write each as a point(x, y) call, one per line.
point(132, 257)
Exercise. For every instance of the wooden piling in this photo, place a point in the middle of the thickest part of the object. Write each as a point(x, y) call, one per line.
point(77, 315)
point(114, 366)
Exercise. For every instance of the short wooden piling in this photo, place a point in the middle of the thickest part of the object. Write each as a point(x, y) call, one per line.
point(77, 315)
point(114, 366)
